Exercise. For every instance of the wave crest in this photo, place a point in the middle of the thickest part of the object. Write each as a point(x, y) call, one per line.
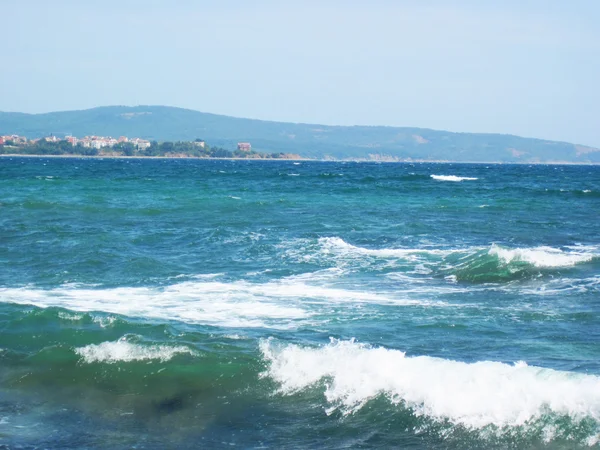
point(541, 256)
point(488, 264)
point(125, 351)
point(452, 178)
point(473, 395)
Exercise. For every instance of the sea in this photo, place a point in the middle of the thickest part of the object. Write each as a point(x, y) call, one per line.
point(184, 303)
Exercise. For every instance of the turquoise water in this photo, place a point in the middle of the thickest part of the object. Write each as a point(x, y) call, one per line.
point(211, 304)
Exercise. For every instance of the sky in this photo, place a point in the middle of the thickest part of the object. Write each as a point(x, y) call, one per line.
point(524, 67)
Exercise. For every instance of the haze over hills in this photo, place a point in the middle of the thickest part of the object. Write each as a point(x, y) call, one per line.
point(164, 123)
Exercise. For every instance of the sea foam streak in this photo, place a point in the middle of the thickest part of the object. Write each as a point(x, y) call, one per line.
point(452, 178)
point(282, 304)
point(474, 395)
point(214, 303)
point(336, 245)
point(124, 351)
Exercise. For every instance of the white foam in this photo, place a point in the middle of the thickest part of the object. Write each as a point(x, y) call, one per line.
point(452, 178)
point(68, 316)
point(283, 304)
point(560, 286)
point(124, 351)
point(104, 322)
point(421, 270)
point(541, 256)
point(429, 258)
point(234, 337)
point(337, 245)
point(474, 395)
point(332, 273)
point(237, 304)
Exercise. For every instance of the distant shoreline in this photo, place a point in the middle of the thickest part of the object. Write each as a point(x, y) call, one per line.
point(499, 163)
point(17, 155)
point(181, 128)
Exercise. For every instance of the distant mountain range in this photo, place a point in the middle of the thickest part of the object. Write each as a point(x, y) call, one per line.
point(164, 123)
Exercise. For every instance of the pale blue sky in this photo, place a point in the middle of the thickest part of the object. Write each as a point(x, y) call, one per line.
point(526, 67)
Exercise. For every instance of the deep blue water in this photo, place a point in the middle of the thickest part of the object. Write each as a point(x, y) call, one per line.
point(280, 304)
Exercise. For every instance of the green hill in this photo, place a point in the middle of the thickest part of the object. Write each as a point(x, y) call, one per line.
point(315, 141)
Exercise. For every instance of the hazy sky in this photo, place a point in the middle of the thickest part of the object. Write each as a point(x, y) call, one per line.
point(524, 67)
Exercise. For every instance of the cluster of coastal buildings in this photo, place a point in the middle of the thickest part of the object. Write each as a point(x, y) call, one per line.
point(99, 142)
point(14, 138)
point(96, 142)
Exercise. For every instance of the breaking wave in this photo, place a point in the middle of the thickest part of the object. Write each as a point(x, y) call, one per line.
point(488, 264)
point(473, 395)
point(541, 256)
point(452, 178)
point(125, 351)
point(503, 264)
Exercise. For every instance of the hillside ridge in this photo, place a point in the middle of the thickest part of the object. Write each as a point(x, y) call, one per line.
point(168, 123)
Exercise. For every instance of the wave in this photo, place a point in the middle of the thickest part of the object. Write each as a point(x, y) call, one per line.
point(335, 244)
point(237, 304)
point(563, 286)
point(125, 351)
point(330, 175)
point(473, 395)
point(498, 264)
point(452, 178)
point(489, 264)
point(585, 193)
point(283, 304)
point(541, 256)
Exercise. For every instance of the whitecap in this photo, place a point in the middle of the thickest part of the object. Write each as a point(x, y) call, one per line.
point(70, 316)
point(104, 322)
point(335, 244)
point(474, 395)
point(234, 337)
point(124, 351)
point(452, 178)
point(541, 256)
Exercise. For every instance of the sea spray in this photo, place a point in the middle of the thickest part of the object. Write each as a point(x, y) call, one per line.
point(473, 395)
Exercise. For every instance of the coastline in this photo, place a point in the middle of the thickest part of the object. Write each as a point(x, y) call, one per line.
point(17, 155)
point(538, 163)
